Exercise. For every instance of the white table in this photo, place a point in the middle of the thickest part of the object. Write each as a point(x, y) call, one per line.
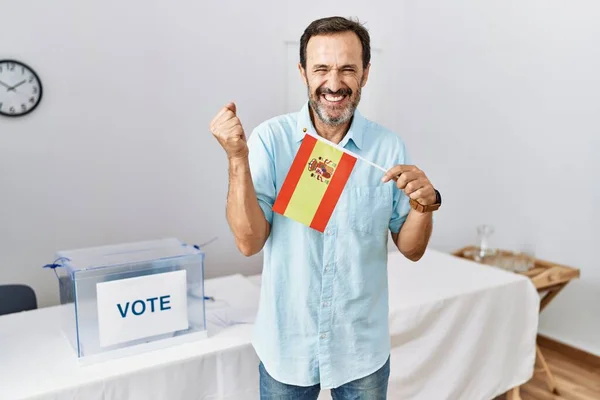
point(460, 331)
point(36, 360)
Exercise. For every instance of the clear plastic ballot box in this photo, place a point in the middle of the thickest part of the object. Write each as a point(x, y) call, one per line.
point(133, 297)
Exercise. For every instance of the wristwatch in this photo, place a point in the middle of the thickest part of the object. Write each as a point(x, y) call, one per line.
point(425, 209)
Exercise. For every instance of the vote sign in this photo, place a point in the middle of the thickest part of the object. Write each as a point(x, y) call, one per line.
point(140, 307)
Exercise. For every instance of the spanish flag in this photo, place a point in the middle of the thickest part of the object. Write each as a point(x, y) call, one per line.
point(314, 182)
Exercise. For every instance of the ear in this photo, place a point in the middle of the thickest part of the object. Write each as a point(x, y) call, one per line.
point(303, 74)
point(365, 75)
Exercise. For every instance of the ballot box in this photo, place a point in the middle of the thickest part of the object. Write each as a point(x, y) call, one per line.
point(132, 297)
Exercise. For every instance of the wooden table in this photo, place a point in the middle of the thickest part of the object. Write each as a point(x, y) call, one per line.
point(549, 279)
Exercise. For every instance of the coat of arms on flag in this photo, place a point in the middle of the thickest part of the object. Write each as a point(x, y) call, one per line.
point(314, 182)
point(322, 169)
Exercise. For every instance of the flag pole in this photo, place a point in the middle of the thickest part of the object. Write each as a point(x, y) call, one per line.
point(346, 151)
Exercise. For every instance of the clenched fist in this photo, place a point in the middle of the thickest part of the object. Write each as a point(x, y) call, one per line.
point(227, 128)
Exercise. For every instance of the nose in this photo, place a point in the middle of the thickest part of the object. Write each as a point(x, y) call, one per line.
point(333, 80)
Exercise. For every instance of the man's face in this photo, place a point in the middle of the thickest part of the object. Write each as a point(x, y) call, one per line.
point(334, 76)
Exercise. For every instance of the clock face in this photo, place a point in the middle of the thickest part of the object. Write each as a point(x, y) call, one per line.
point(20, 89)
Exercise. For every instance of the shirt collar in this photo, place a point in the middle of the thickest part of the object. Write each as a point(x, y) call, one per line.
point(355, 133)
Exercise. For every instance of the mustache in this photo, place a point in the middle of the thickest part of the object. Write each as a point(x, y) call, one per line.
point(340, 92)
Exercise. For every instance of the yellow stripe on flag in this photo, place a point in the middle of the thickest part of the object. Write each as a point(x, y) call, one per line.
point(309, 191)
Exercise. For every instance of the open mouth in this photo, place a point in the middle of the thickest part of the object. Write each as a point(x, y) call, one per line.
point(333, 99)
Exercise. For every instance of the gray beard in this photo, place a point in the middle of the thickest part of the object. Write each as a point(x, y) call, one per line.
point(334, 121)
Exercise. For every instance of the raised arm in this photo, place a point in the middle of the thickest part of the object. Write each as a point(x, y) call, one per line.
point(244, 215)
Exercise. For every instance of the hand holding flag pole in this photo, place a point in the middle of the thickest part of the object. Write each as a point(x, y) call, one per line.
point(319, 173)
point(408, 178)
point(316, 181)
point(413, 182)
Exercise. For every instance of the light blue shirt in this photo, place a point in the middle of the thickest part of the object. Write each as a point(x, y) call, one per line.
point(323, 314)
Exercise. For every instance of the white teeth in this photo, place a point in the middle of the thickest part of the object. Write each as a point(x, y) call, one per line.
point(329, 97)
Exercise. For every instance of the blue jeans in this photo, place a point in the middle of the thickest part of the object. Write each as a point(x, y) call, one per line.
point(371, 387)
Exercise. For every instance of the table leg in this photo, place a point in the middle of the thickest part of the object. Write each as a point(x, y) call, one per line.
point(551, 295)
point(549, 377)
point(514, 394)
point(550, 381)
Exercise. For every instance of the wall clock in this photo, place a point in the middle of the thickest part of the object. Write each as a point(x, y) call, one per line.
point(20, 89)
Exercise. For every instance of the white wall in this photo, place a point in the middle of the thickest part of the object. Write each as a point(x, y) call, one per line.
point(498, 103)
point(119, 149)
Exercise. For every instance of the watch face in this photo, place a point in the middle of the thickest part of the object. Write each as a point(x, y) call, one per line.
point(20, 89)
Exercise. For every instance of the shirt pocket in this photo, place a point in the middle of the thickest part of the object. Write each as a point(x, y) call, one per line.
point(369, 209)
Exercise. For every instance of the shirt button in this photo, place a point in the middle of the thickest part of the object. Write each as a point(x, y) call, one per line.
point(325, 304)
point(323, 336)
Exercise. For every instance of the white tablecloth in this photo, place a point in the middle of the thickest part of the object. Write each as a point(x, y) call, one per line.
point(460, 331)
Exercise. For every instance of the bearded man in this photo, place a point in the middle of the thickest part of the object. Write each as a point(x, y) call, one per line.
point(323, 315)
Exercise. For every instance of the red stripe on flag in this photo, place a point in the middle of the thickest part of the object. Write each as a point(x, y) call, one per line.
point(333, 192)
point(294, 174)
